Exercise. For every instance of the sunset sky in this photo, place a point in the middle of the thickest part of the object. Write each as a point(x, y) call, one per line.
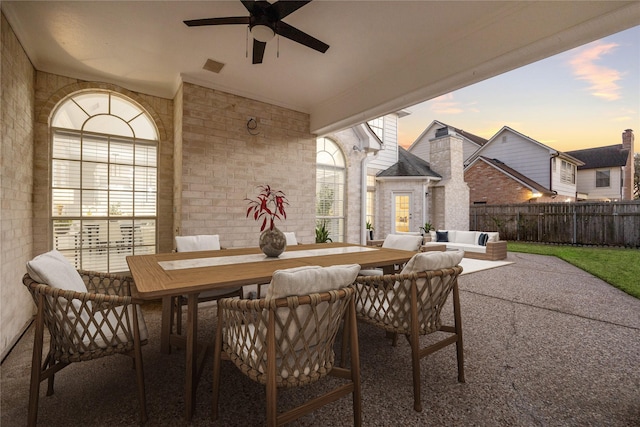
point(582, 98)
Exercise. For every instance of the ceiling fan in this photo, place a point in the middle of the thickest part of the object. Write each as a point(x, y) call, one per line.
point(265, 21)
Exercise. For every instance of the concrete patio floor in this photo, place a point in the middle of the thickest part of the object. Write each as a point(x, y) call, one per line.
point(546, 344)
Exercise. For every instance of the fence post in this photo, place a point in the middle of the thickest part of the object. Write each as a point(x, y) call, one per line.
point(575, 226)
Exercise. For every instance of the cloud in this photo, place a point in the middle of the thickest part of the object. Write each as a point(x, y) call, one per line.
point(445, 104)
point(602, 80)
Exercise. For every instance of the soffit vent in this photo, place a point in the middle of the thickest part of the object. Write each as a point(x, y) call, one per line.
point(213, 66)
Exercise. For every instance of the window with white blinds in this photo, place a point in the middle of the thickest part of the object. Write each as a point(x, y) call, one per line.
point(103, 181)
point(330, 188)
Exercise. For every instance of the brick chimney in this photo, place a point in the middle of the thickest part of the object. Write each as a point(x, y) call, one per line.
point(627, 142)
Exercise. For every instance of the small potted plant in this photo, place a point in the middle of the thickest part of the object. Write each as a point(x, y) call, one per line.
point(370, 229)
point(268, 206)
point(425, 231)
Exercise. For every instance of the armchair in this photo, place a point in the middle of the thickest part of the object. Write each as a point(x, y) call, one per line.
point(410, 304)
point(286, 340)
point(88, 315)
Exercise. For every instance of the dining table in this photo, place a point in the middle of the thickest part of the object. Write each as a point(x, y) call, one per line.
point(167, 275)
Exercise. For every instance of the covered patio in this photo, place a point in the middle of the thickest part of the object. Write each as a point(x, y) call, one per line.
point(545, 344)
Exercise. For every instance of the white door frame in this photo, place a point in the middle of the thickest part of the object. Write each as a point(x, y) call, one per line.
point(394, 194)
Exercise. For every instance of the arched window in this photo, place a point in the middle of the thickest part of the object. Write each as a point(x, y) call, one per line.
point(330, 188)
point(103, 180)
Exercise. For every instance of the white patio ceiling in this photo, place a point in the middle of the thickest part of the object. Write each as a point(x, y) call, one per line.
point(383, 55)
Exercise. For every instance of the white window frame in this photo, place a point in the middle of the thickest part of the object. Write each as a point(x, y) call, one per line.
point(331, 174)
point(96, 155)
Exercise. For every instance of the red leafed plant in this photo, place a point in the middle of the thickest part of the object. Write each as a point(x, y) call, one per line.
point(269, 205)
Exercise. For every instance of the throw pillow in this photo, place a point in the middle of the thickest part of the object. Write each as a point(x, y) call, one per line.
point(482, 239)
point(442, 236)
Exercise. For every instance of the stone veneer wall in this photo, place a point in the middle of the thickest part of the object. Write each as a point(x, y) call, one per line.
point(50, 90)
point(17, 86)
point(451, 208)
point(222, 165)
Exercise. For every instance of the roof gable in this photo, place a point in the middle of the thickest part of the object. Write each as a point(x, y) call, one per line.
point(409, 165)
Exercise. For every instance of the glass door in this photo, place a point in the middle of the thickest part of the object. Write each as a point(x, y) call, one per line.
point(402, 212)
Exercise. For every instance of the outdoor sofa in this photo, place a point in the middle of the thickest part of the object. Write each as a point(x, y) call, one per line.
point(490, 247)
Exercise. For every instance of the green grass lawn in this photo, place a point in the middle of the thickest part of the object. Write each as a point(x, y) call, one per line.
point(618, 267)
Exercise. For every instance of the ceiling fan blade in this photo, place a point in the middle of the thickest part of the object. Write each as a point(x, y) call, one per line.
point(218, 21)
point(258, 51)
point(250, 4)
point(284, 8)
point(292, 33)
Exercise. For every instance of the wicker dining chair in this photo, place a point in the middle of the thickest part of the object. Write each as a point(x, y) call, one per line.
point(410, 304)
point(89, 315)
point(200, 242)
point(405, 242)
point(287, 340)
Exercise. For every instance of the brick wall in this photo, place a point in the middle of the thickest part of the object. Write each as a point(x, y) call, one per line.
point(16, 177)
point(222, 165)
point(488, 185)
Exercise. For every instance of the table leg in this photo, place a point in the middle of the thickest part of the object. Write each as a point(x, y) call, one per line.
point(191, 380)
point(165, 329)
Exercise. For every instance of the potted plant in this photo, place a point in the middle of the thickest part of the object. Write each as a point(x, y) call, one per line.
point(322, 234)
point(425, 230)
point(370, 230)
point(268, 206)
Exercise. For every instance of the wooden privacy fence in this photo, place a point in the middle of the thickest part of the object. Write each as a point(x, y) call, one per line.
point(598, 223)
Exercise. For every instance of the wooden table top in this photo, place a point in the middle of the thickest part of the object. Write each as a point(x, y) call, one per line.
point(154, 281)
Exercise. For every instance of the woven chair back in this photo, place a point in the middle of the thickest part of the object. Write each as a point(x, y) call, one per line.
point(386, 301)
point(303, 328)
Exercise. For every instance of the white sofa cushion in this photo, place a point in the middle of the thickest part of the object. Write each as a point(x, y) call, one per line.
point(468, 237)
point(467, 247)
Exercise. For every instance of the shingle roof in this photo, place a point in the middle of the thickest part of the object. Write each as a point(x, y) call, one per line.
point(474, 138)
point(517, 175)
point(409, 165)
point(601, 157)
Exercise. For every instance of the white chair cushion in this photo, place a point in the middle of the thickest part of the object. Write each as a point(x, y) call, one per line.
point(291, 238)
point(405, 242)
point(53, 269)
point(311, 279)
point(203, 242)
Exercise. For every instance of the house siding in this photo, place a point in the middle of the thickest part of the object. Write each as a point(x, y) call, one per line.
point(528, 158)
point(389, 155)
point(587, 184)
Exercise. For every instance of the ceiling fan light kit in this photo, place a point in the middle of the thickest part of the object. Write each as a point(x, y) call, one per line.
point(264, 22)
point(262, 33)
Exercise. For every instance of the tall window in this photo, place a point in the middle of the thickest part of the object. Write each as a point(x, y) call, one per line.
point(371, 199)
point(603, 178)
point(104, 181)
point(330, 188)
point(567, 172)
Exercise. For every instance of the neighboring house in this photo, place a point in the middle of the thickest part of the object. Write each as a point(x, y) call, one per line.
point(421, 146)
point(553, 171)
point(607, 172)
point(492, 182)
